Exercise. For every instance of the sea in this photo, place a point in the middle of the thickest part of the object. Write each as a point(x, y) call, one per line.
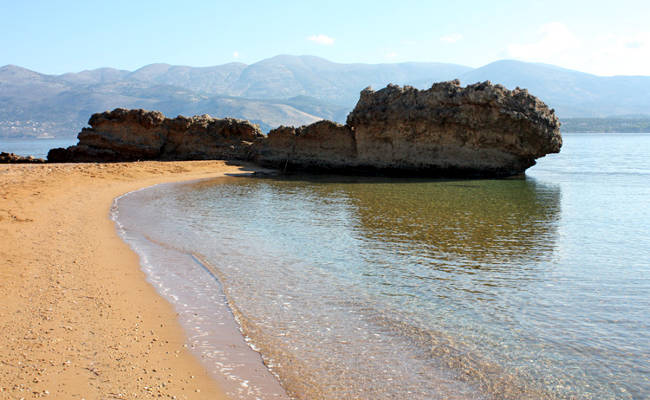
point(535, 287)
point(33, 147)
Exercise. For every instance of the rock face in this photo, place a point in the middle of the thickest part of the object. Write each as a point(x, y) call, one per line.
point(11, 158)
point(447, 130)
point(129, 135)
point(481, 130)
point(321, 145)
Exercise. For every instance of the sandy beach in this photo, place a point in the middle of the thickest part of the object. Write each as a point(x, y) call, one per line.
point(77, 318)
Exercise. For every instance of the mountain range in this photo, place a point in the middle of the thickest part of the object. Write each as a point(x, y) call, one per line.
point(284, 90)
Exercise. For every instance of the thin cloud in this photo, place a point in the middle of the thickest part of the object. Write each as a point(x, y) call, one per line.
point(321, 39)
point(621, 54)
point(451, 38)
point(554, 38)
point(604, 54)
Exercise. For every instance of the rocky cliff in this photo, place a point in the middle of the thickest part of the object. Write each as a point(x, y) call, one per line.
point(129, 135)
point(447, 130)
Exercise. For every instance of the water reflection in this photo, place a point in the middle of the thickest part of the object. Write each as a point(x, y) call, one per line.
point(452, 226)
point(431, 261)
point(472, 222)
point(480, 223)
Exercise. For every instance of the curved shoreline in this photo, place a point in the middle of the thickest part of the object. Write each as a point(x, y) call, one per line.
point(194, 289)
point(77, 316)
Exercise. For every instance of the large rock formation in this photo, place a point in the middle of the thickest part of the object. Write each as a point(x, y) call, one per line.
point(129, 135)
point(447, 130)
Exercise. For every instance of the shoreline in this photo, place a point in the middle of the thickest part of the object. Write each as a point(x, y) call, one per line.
point(194, 289)
point(78, 317)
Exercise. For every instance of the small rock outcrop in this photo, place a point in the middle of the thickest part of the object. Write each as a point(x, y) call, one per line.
point(481, 130)
point(447, 130)
point(130, 135)
point(11, 158)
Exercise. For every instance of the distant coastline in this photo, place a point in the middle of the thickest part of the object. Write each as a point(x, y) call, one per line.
point(606, 125)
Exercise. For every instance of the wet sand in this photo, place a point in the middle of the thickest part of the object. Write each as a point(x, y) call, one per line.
point(77, 318)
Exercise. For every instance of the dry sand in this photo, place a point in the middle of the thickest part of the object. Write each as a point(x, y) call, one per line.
point(77, 318)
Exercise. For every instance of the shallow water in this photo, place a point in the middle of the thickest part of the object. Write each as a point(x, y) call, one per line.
point(373, 288)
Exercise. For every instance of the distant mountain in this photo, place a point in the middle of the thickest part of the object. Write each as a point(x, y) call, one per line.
point(266, 113)
point(283, 90)
point(289, 76)
point(572, 93)
point(208, 80)
point(321, 108)
point(282, 77)
point(95, 76)
point(33, 104)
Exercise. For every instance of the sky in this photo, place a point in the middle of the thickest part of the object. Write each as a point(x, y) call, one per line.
point(599, 37)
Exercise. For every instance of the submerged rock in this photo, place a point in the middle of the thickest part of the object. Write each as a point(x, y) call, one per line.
point(480, 130)
point(129, 135)
point(447, 130)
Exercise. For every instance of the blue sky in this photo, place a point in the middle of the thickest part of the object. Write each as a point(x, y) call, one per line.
point(63, 36)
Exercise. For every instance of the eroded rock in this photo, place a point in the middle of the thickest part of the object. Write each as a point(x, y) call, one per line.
point(481, 130)
point(447, 130)
point(129, 135)
point(321, 145)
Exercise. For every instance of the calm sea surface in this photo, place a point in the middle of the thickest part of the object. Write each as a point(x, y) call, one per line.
point(357, 288)
point(33, 147)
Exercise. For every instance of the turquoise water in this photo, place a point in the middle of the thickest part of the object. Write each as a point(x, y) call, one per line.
point(33, 147)
point(534, 288)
